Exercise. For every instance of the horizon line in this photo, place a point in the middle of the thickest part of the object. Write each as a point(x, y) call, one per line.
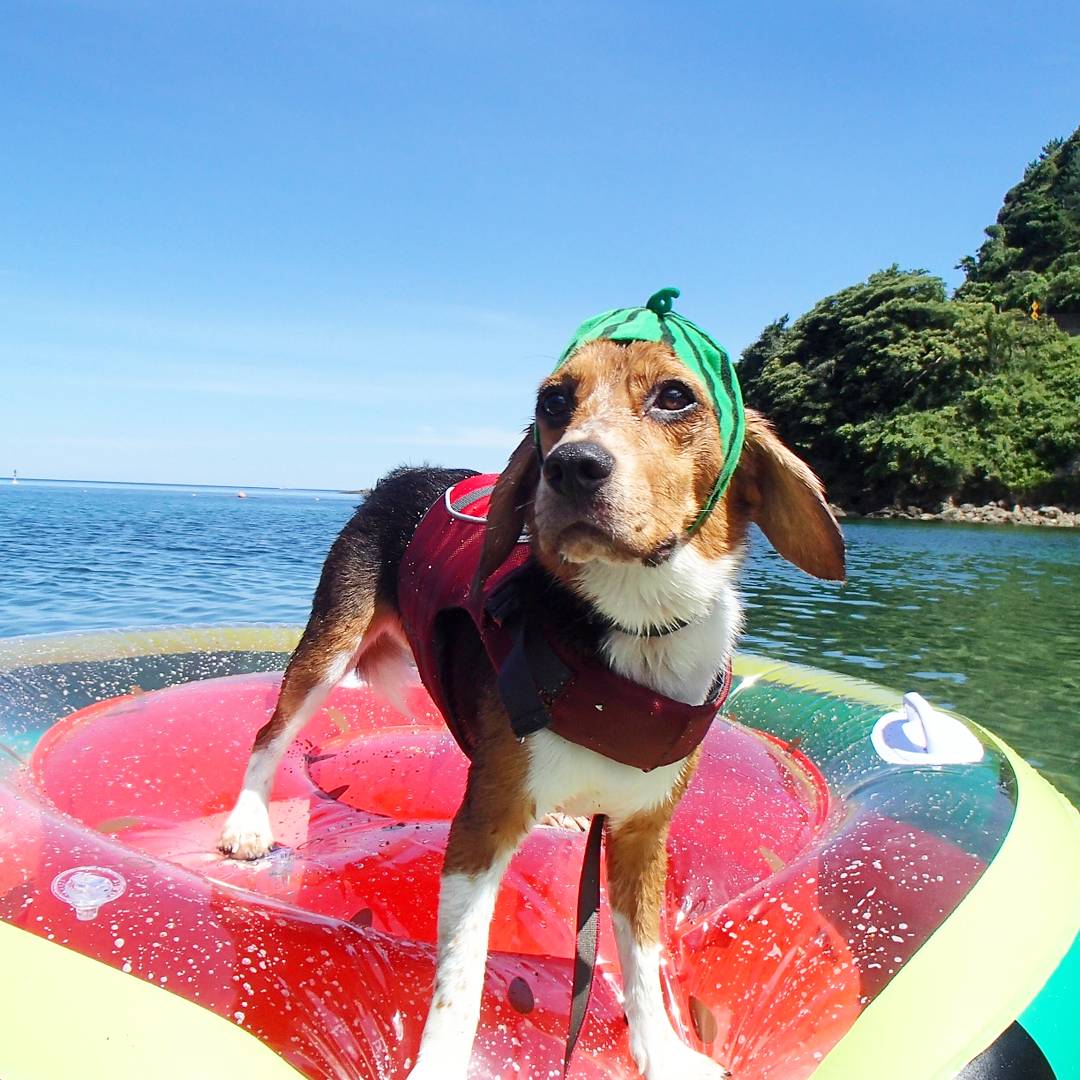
point(15, 481)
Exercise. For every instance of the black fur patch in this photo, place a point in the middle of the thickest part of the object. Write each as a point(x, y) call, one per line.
point(373, 543)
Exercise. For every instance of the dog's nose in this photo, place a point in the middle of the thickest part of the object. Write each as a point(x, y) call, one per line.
point(578, 469)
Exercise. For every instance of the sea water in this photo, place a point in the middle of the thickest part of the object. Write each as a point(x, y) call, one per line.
point(979, 618)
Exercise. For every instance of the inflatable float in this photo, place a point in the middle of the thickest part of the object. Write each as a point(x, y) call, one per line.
point(859, 886)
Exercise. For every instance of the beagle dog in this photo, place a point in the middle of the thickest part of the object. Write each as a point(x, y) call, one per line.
point(624, 452)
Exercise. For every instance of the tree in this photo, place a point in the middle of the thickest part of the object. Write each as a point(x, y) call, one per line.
point(895, 393)
point(1033, 252)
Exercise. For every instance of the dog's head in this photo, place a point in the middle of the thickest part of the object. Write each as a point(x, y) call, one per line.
point(626, 453)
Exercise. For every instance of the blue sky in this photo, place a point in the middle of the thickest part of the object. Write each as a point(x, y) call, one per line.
point(295, 244)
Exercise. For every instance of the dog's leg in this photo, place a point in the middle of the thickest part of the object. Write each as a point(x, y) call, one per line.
point(346, 624)
point(636, 864)
point(492, 821)
point(316, 667)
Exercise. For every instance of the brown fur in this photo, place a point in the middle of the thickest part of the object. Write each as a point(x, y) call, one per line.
point(637, 862)
point(666, 469)
point(510, 506)
point(496, 813)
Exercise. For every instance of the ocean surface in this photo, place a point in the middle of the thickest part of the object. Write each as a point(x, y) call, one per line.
point(982, 619)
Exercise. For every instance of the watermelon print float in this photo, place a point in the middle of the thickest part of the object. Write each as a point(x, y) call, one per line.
point(837, 904)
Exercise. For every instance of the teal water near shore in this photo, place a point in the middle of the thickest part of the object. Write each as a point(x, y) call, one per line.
point(982, 619)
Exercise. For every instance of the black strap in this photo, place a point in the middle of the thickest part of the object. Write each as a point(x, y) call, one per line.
point(530, 676)
point(588, 908)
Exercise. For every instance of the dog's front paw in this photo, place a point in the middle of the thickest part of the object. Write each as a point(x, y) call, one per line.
point(247, 833)
point(667, 1057)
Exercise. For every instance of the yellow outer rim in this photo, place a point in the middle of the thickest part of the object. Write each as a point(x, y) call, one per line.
point(20, 652)
point(77, 1017)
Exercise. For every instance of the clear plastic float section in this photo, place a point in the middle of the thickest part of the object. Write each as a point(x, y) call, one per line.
point(834, 894)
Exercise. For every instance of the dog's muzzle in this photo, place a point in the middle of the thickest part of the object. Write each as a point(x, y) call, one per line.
point(577, 470)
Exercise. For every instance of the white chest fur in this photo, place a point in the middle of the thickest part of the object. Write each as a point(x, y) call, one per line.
point(681, 665)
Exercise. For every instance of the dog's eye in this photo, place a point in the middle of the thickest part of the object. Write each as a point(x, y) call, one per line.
point(555, 405)
point(673, 397)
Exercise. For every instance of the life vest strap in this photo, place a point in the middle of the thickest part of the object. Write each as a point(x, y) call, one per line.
point(587, 924)
point(530, 677)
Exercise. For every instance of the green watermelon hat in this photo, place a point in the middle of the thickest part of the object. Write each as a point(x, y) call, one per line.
point(697, 350)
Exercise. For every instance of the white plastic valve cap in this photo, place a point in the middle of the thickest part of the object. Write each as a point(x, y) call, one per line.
point(86, 888)
point(920, 735)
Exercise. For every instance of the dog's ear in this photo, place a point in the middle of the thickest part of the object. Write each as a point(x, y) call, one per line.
point(781, 493)
point(514, 490)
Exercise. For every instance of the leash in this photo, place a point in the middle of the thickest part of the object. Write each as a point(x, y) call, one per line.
point(588, 909)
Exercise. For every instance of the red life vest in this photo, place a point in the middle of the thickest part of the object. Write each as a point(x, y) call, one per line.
point(543, 682)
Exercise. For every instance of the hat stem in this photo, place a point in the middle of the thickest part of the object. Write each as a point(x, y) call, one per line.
point(660, 301)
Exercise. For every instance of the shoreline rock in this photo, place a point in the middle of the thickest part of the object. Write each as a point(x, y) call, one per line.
point(996, 513)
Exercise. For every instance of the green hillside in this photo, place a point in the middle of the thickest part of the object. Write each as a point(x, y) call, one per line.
point(896, 393)
point(1033, 252)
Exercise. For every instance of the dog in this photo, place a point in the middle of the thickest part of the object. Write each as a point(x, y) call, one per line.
point(607, 486)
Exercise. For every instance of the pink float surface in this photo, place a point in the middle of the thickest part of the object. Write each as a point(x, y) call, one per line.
point(324, 949)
